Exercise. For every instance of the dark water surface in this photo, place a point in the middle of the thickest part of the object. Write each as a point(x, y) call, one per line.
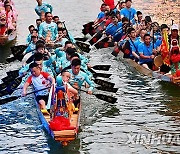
point(145, 119)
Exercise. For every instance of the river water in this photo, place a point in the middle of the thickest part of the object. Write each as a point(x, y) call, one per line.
point(145, 119)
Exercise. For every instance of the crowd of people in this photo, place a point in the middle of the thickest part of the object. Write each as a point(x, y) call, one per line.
point(139, 38)
point(63, 66)
point(8, 17)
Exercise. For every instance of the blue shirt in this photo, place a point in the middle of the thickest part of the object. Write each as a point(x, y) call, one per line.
point(101, 15)
point(80, 78)
point(136, 44)
point(45, 7)
point(31, 47)
point(128, 13)
point(111, 28)
point(146, 51)
point(45, 27)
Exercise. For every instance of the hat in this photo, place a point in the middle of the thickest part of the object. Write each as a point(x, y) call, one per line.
point(174, 27)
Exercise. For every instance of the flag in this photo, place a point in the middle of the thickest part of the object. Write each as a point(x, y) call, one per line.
point(165, 49)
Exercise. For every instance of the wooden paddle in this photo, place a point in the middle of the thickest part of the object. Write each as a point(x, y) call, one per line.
point(9, 99)
point(106, 98)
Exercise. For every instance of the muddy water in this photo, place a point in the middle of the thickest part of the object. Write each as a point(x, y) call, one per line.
point(145, 118)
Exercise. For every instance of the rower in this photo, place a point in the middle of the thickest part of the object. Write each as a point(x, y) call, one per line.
point(101, 15)
point(42, 7)
point(129, 12)
point(30, 28)
point(78, 77)
point(46, 26)
point(137, 42)
point(38, 22)
point(40, 81)
point(146, 52)
point(61, 40)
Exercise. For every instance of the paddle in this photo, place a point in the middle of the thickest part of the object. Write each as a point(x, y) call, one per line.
point(84, 39)
point(114, 90)
point(101, 67)
point(95, 75)
point(104, 83)
point(9, 99)
point(83, 46)
point(106, 98)
point(13, 73)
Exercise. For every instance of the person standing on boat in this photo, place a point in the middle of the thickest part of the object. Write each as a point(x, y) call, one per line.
point(39, 80)
point(110, 3)
point(146, 52)
point(129, 12)
point(42, 7)
point(47, 26)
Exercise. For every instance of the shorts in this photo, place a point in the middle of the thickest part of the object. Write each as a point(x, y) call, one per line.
point(42, 97)
point(164, 68)
point(149, 64)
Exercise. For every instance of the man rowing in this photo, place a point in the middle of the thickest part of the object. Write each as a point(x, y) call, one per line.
point(146, 52)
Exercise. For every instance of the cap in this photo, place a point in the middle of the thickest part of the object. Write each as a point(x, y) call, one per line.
point(174, 27)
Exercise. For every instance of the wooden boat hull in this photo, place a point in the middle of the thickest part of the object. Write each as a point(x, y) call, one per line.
point(5, 39)
point(147, 72)
point(63, 136)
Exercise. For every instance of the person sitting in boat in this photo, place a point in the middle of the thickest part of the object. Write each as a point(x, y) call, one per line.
point(147, 52)
point(113, 27)
point(3, 24)
point(128, 47)
point(136, 44)
point(56, 19)
point(46, 26)
point(174, 33)
point(11, 14)
point(78, 78)
point(129, 12)
point(68, 35)
point(42, 7)
point(175, 59)
point(84, 65)
point(40, 80)
point(38, 22)
point(61, 40)
point(30, 28)
point(101, 15)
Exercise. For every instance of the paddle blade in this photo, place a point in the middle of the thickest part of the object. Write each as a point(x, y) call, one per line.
point(106, 98)
point(11, 59)
point(104, 83)
point(83, 46)
point(7, 79)
point(101, 45)
point(14, 73)
point(2, 86)
point(114, 90)
point(116, 51)
point(11, 87)
point(18, 49)
point(9, 99)
point(96, 38)
point(101, 75)
point(84, 39)
point(3, 93)
point(102, 67)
